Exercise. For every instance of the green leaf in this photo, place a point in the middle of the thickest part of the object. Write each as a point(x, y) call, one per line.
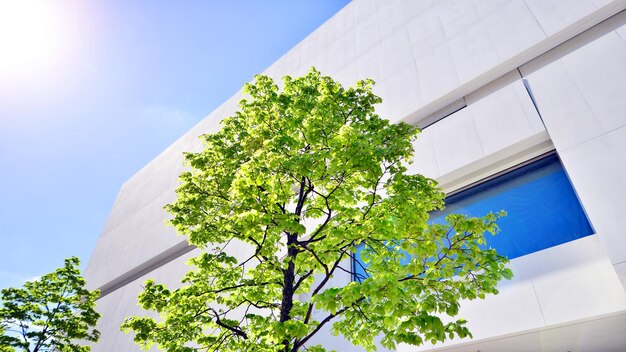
point(280, 200)
point(54, 312)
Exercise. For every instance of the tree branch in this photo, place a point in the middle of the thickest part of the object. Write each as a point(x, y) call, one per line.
point(322, 323)
point(233, 329)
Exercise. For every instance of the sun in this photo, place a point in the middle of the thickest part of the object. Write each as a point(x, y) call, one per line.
point(30, 33)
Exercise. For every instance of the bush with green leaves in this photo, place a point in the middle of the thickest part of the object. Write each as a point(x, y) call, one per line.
point(52, 313)
point(305, 176)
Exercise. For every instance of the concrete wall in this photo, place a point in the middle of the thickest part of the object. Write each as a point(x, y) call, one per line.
point(579, 90)
point(430, 58)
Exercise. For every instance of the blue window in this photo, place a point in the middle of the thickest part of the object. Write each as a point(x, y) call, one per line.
point(543, 210)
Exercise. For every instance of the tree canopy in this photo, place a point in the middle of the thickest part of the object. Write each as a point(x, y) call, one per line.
point(52, 313)
point(304, 178)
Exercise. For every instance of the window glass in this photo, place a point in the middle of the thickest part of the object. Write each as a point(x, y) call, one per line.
point(543, 210)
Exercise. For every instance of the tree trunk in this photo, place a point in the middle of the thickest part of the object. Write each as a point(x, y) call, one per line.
point(289, 275)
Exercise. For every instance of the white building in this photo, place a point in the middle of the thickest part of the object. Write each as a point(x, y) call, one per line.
point(496, 84)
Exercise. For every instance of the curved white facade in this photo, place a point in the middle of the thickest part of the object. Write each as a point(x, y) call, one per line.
point(533, 76)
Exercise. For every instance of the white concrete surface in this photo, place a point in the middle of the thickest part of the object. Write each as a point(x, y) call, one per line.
point(427, 55)
point(580, 96)
point(122, 303)
point(559, 285)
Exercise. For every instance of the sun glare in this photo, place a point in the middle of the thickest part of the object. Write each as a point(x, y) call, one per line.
point(30, 33)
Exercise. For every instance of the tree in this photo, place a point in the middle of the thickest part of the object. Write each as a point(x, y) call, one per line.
point(4, 346)
point(305, 177)
point(51, 313)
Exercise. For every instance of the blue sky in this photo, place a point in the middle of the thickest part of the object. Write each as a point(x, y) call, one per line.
point(102, 88)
